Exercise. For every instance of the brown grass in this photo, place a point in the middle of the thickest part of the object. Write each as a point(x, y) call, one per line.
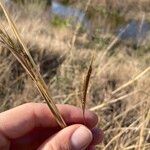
point(124, 115)
point(86, 85)
point(22, 54)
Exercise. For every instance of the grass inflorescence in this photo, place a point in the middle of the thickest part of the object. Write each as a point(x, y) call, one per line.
point(23, 56)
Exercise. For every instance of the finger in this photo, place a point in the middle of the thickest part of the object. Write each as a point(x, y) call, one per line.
point(98, 136)
point(75, 137)
point(92, 147)
point(33, 139)
point(17, 122)
point(37, 136)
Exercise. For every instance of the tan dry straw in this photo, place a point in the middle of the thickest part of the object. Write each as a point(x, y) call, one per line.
point(20, 51)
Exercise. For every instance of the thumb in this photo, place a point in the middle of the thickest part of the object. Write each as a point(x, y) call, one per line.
point(75, 137)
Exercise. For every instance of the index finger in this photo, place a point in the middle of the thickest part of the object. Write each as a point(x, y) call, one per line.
point(17, 122)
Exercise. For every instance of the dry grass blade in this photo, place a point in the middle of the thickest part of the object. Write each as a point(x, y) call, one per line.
point(132, 81)
point(85, 86)
point(21, 53)
point(119, 135)
point(73, 40)
point(112, 101)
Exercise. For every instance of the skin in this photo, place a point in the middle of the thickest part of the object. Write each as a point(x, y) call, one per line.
point(32, 125)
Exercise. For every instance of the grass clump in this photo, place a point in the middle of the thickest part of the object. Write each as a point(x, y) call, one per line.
point(119, 84)
point(23, 56)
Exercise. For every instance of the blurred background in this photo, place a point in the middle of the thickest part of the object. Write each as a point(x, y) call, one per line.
point(62, 36)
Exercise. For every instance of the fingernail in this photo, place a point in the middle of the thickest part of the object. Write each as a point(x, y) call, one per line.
point(81, 138)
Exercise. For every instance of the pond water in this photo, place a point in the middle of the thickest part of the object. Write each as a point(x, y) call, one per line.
point(136, 32)
point(73, 14)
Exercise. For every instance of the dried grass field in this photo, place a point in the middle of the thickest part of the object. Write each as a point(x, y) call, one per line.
point(119, 87)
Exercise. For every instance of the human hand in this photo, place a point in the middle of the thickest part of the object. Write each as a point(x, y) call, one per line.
point(32, 126)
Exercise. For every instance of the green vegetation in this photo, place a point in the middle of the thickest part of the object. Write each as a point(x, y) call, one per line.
point(60, 22)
